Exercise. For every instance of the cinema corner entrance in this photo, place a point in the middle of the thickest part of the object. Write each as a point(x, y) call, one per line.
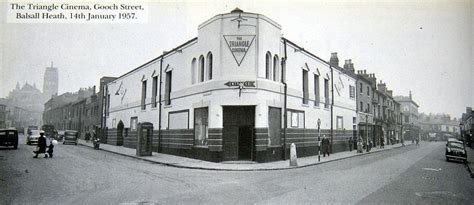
point(238, 133)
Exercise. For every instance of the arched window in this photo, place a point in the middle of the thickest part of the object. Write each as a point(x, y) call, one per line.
point(209, 66)
point(201, 69)
point(268, 65)
point(276, 70)
point(193, 71)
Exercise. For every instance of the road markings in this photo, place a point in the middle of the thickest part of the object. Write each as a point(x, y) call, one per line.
point(432, 169)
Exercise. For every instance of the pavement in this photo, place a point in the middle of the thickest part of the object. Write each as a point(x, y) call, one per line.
point(183, 162)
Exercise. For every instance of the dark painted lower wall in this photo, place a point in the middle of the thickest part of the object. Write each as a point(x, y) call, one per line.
point(180, 142)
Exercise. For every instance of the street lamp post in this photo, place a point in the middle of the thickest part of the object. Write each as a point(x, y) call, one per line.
point(319, 140)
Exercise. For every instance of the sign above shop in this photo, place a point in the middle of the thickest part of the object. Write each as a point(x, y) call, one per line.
point(240, 83)
point(239, 45)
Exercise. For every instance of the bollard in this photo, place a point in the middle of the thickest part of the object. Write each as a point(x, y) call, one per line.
point(293, 156)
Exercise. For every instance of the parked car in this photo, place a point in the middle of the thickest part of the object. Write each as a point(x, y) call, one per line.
point(9, 137)
point(33, 136)
point(60, 135)
point(456, 150)
point(70, 136)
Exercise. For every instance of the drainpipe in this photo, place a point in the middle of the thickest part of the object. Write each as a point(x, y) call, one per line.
point(285, 117)
point(159, 110)
point(332, 106)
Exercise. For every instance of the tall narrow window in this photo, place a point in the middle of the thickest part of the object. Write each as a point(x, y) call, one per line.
point(361, 89)
point(316, 90)
point(168, 88)
point(326, 93)
point(268, 65)
point(143, 94)
point(201, 69)
point(154, 91)
point(275, 68)
point(339, 123)
point(305, 87)
point(193, 71)
point(200, 126)
point(209, 66)
point(368, 91)
point(361, 106)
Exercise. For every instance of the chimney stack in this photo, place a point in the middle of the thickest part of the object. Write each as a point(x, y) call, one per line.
point(334, 61)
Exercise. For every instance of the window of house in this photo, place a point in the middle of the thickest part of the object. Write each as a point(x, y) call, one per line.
point(209, 66)
point(193, 71)
point(361, 88)
point(326, 93)
point(154, 91)
point(351, 91)
point(168, 88)
point(339, 123)
point(305, 87)
point(133, 123)
point(368, 107)
point(361, 106)
point(143, 94)
point(296, 119)
point(201, 69)
point(268, 65)
point(178, 119)
point(201, 122)
point(275, 68)
point(316, 90)
point(368, 91)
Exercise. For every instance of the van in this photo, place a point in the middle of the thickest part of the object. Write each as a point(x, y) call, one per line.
point(70, 137)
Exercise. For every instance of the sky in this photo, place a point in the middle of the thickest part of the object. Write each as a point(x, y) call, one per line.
point(419, 46)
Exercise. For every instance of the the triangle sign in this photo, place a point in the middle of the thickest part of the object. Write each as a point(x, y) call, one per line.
point(239, 45)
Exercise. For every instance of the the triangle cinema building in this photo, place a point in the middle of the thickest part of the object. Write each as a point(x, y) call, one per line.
point(223, 96)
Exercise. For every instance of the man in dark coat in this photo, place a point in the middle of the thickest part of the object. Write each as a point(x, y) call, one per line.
point(41, 146)
point(350, 144)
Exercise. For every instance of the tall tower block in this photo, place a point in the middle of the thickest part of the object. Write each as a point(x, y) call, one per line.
point(50, 81)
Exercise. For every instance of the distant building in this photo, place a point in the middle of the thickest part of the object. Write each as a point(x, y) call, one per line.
point(410, 123)
point(50, 82)
point(73, 111)
point(467, 126)
point(3, 116)
point(24, 106)
point(438, 126)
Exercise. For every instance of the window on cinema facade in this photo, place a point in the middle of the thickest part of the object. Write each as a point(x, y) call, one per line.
point(201, 122)
point(209, 66)
point(268, 65)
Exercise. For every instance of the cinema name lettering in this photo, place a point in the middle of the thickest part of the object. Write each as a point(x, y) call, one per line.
point(239, 45)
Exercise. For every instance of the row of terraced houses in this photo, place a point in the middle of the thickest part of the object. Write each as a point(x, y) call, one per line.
point(240, 91)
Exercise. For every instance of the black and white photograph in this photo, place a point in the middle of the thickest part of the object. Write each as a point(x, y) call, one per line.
point(236, 102)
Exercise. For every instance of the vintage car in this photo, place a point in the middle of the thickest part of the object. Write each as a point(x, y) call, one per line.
point(9, 137)
point(70, 137)
point(455, 150)
point(33, 136)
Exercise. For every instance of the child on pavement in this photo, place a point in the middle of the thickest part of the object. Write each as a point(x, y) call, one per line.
point(50, 149)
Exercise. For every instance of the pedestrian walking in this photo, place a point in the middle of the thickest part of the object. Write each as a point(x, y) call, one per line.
point(350, 144)
point(326, 146)
point(41, 147)
point(50, 149)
